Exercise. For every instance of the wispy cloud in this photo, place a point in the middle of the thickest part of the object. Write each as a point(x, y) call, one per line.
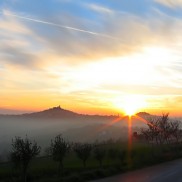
point(170, 3)
point(120, 35)
point(60, 26)
point(66, 56)
point(98, 8)
point(15, 48)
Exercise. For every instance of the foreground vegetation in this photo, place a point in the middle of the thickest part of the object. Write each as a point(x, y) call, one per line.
point(66, 161)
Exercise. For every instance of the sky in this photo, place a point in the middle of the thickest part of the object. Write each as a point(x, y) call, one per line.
point(91, 56)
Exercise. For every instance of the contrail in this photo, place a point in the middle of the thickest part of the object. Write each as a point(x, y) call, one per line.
point(61, 26)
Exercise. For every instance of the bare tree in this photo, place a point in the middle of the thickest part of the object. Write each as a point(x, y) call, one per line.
point(121, 156)
point(175, 131)
point(23, 151)
point(162, 130)
point(155, 131)
point(58, 150)
point(176, 136)
point(112, 153)
point(99, 155)
point(152, 132)
point(83, 151)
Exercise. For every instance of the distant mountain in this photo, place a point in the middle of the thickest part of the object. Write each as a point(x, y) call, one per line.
point(55, 112)
point(143, 114)
point(59, 113)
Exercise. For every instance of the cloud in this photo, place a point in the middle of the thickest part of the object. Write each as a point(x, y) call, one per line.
point(16, 46)
point(170, 3)
point(98, 8)
point(73, 40)
point(110, 40)
point(16, 56)
point(65, 56)
point(60, 26)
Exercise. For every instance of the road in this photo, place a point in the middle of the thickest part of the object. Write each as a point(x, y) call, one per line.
point(166, 172)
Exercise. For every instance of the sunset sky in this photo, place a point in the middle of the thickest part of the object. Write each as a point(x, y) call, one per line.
point(91, 56)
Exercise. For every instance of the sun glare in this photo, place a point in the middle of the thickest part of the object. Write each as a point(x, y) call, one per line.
point(131, 104)
point(130, 110)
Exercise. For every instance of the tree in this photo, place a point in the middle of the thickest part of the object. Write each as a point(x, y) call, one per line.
point(83, 151)
point(58, 150)
point(165, 132)
point(23, 151)
point(159, 130)
point(176, 135)
point(121, 156)
point(176, 132)
point(99, 155)
point(151, 133)
point(112, 153)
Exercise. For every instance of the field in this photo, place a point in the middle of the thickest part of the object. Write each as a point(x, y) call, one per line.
point(46, 169)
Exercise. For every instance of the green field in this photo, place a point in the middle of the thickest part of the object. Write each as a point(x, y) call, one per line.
point(45, 169)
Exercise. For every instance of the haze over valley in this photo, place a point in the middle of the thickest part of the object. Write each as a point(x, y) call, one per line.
point(44, 125)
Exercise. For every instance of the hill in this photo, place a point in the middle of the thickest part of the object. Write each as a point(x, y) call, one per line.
point(55, 112)
point(143, 114)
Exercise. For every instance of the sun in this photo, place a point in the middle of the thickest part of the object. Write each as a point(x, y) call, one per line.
point(131, 104)
point(130, 110)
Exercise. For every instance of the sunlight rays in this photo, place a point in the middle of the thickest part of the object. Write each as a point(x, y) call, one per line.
point(146, 122)
point(105, 126)
point(130, 134)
